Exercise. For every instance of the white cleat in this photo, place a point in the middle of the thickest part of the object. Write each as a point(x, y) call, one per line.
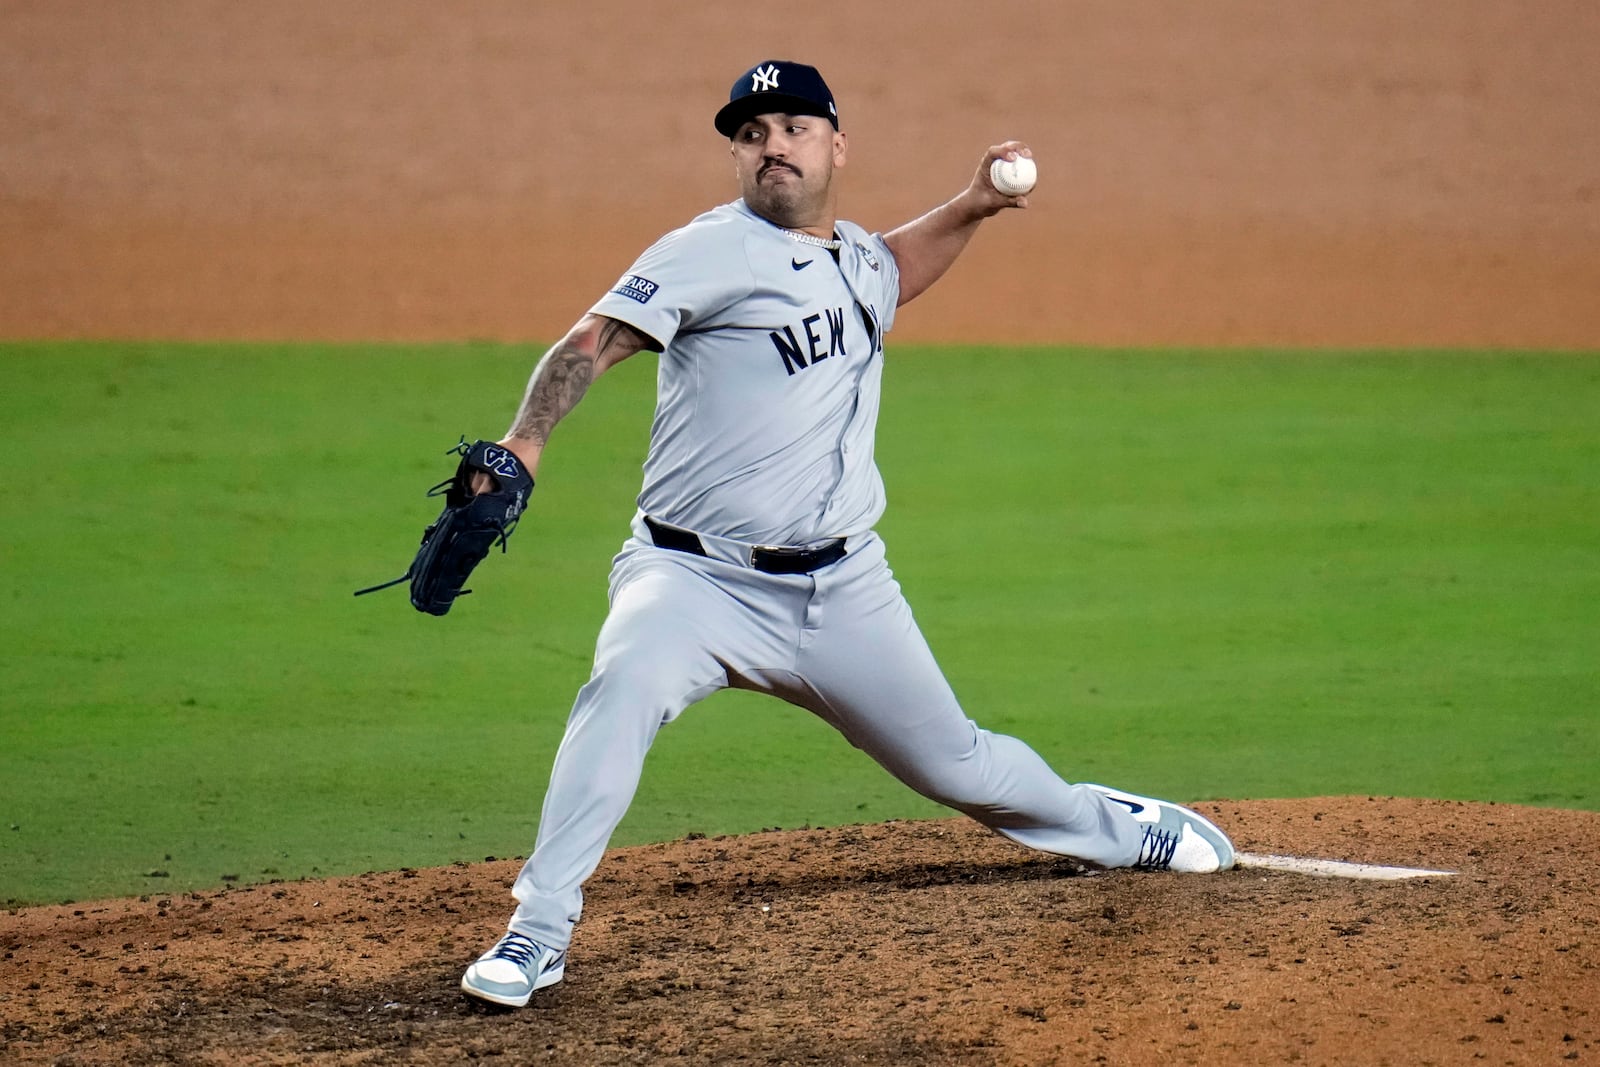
point(509, 973)
point(1175, 838)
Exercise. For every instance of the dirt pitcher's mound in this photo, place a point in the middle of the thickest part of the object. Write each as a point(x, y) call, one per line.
point(917, 943)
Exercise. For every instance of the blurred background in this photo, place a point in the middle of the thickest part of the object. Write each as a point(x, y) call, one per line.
point(1235, 172)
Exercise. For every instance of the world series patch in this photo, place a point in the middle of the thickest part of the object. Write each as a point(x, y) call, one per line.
point(636, 288)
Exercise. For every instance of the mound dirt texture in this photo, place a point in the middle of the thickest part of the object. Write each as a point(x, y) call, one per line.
point(901, 943)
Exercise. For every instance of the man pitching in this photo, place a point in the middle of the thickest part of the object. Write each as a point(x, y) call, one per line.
point(752, 561)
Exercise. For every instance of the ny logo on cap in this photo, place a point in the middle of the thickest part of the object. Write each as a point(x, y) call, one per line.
point(765, 79)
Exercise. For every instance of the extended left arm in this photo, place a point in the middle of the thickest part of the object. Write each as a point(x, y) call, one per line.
point(924, 248)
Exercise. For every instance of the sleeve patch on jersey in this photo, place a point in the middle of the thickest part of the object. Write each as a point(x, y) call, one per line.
point(634, 287)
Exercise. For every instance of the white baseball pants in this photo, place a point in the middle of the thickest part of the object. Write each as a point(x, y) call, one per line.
point(840, 643)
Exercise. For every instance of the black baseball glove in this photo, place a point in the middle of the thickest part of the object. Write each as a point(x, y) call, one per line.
point(468, 527)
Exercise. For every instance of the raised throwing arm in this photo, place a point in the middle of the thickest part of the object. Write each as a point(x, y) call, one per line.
point(925, 247)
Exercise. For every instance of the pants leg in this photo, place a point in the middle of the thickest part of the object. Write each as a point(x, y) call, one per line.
point(664, 646)
point(865, 668)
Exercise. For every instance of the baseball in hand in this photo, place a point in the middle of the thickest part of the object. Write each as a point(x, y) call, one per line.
point(1013, 177)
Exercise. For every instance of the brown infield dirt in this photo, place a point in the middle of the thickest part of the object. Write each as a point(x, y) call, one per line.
point(1358, 174)
point(899, 943)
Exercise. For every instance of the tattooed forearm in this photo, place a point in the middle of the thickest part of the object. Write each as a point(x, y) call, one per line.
point(558, 383)
point(565, 373)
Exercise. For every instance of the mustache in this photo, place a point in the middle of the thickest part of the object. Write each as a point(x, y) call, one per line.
point(778, 163)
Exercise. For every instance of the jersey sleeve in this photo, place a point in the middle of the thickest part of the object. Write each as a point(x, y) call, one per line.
point(679, 281)
point(890, 275)
point(878, 277)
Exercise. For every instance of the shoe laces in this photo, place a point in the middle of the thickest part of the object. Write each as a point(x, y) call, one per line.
point(516, 948)
point(1155, 851)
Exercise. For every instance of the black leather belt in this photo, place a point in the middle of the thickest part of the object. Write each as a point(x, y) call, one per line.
point(767, 559)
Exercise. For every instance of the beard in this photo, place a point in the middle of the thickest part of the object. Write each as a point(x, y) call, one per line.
point(791, 201)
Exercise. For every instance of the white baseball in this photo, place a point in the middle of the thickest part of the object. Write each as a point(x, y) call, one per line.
point(1013, 177)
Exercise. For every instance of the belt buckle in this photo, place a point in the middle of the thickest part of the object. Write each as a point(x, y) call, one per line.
point(773, 550)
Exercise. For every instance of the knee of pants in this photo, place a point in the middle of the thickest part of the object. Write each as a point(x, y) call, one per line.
point(989, 777)
point(956, 782)
point(645, 689)
point(613, 724)
point(964, 793)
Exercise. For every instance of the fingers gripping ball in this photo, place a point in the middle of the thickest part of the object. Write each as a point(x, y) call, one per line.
point(1014, 177)
point(470, 524)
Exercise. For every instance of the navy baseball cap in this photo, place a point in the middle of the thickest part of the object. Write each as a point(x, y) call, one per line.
point(776, 85)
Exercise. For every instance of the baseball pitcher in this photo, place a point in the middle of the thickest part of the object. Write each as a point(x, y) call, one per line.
point(752, 561)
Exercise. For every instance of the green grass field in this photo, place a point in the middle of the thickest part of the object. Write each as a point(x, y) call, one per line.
point(1192, 573)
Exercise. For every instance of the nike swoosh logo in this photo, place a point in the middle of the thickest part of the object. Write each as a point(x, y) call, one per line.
point(797, 265)
point(1130, 805)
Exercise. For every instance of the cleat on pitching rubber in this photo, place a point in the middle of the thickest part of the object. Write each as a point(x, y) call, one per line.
point(509, 973)
point(1175, 838)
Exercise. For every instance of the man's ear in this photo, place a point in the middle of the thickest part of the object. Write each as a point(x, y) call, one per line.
point(840, 144)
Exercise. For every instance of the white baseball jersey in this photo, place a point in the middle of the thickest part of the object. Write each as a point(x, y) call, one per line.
point(769, 378)
point(768, 386)
point(772, 358)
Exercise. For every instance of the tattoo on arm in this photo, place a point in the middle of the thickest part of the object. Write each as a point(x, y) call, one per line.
point(558, 383)
point(565, 373)
point(618, 341)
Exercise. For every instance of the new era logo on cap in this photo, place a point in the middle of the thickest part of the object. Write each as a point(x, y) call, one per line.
point(776, 85)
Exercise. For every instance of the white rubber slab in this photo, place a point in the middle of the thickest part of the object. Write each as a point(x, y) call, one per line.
point(1335, 868)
